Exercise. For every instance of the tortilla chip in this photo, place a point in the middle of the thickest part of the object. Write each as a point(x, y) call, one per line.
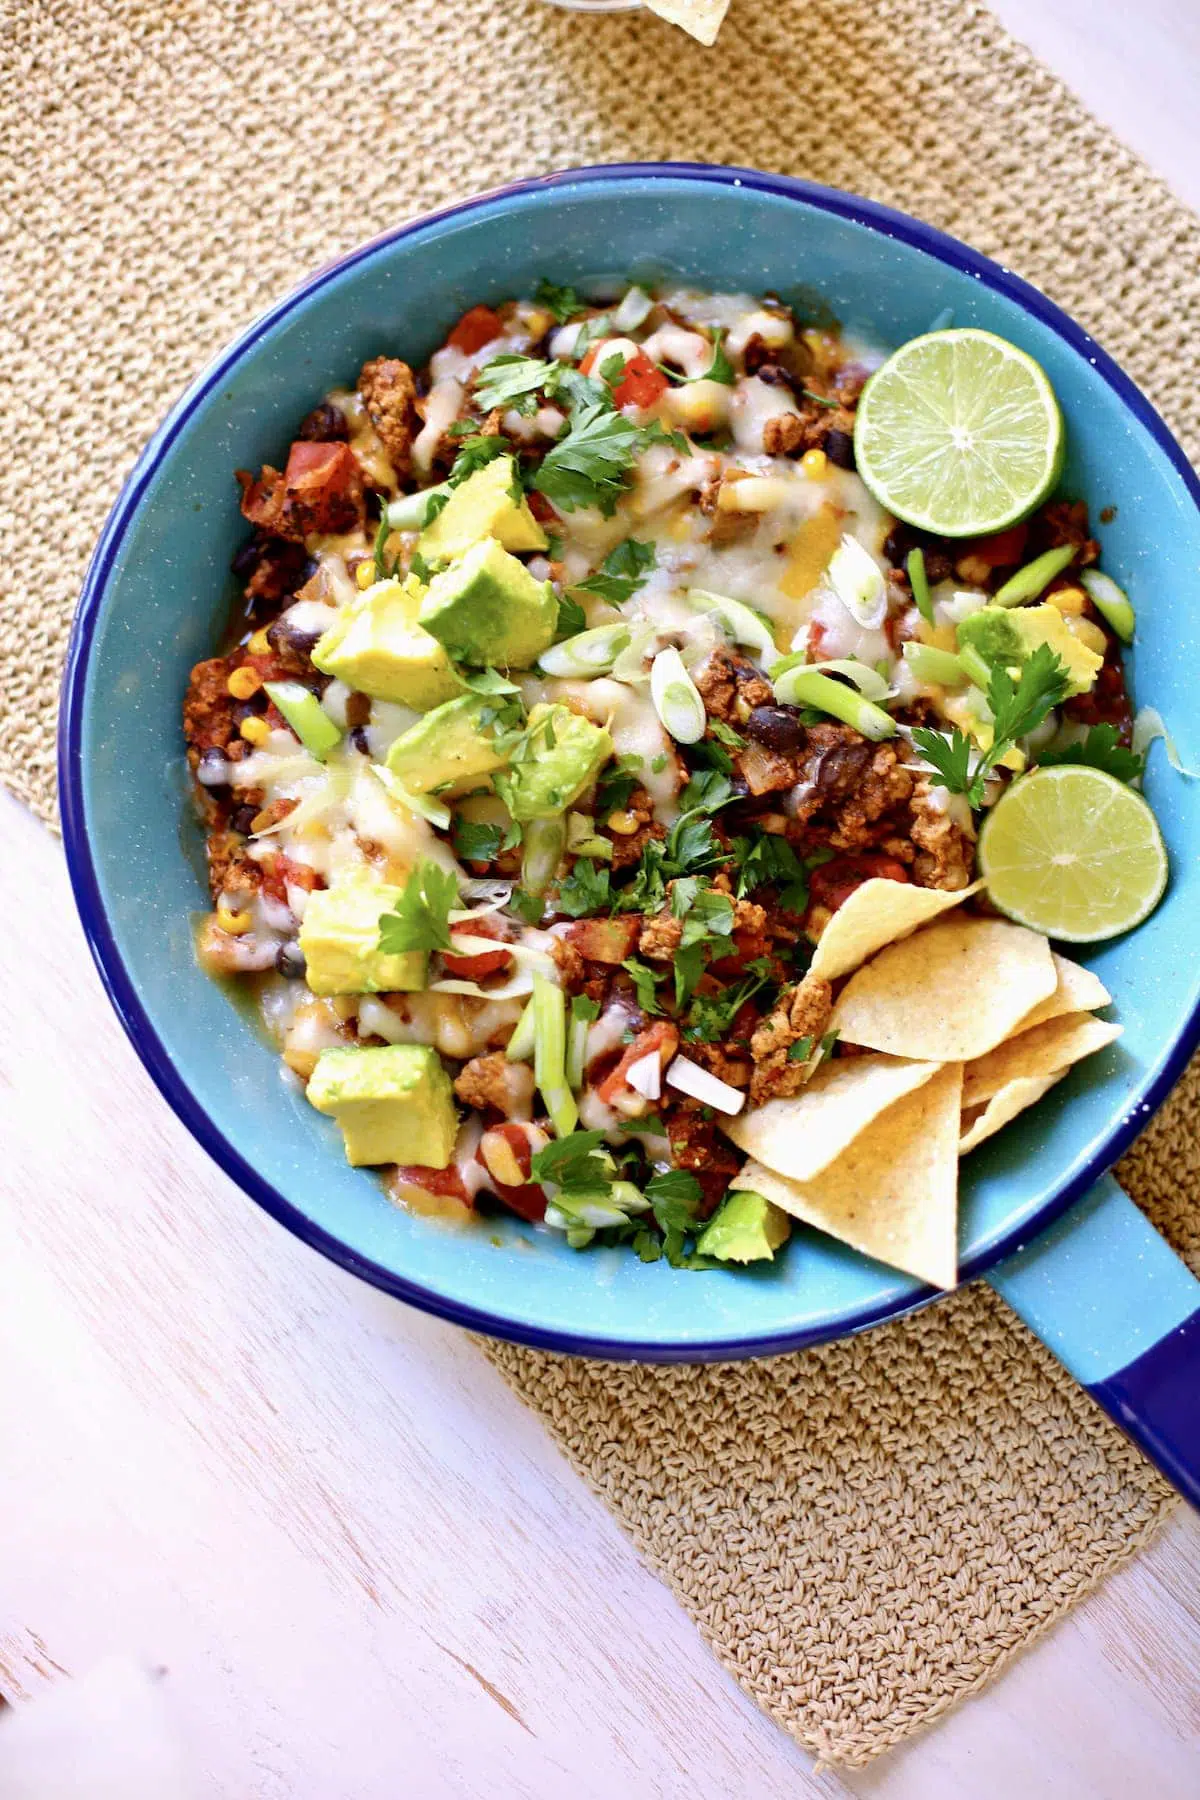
point(878, 913)
point(1078, 990)
point(1003, 1107)
point(800, 1136)
point(1047, 1049)
point(893, 1193)
point(948, 994)
point(701, 18)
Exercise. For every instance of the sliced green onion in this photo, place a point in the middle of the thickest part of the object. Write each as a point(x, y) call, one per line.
point(919, 583)
point(633, 311)
point(630, 666)
point(411, 511)
point(939, 666)
point(1110, 600)
point(975, 667)
point(740, 621)
point(588, 652)
point(676, 698)
point(858, 582)
point(544, 843)
point(550, 1054)
point(582, 839)
point(1147, 727)
point(871, 684)
point(577, 1033)
point(519, 1047)
point(1035, 577)
point(808, 687)
point(306, 716)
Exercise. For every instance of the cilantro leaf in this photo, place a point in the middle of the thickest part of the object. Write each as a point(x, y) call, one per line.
point(1100, 749)
point(707, 791)
point(487, 681)
point(621, 573)
point(571, 618)
point(769, 860)
point(515, 381)
point(475, 452)
point(645, 980)
point(617, 784)
point(572, 1161)
point(527, 906)
point(951, 758)
point(708, 918)
point(720, 369)
point(691, 846)
point(725, 734)
point(801, 1050)
point(420, 918)
point(587, 466)
point(585, 890)
point(674, 1198)
point(563, 302)
point(476, 842)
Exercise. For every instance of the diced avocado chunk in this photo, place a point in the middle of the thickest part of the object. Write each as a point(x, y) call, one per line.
point(306, 716)
point(1004, 637)
point(377, 646)
point(393, 1102)
point(745, 1228)
point(451, 749)
point(486, 608)
point(562, 754)
point(488, 503)
point(339, 936)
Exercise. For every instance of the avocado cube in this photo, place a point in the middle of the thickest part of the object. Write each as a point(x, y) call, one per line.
point(562, 755)
point(488, 503)
point(394, 1103)
point(451, 749)
point(339, 936)
point(486, 608)
point(376, 646)
point(1005, 636)
point(745, 1228)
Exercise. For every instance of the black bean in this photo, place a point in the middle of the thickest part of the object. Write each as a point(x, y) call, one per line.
point(897, 544)
point(282, 636)
point(839, 448)
point(213, 769)
point(774, 374)
point(358, 737)
point(778, 727)
point(289, 960)
point(242, 819)
point(325, 424)
point(938, 567)
point(246, 559)
point(248, 709)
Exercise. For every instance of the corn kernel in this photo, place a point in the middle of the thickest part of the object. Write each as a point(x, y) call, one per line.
point(623, 823)
point(244, 682)
point(255, 730)
point(1068, 600)
point(365, 573)
point(1088, 632)
point(235, 923)
point(301, 1062)
point(260, 644)
point(815, 464)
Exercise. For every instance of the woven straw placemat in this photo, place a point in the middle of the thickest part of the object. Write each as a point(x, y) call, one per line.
point(864, 1533)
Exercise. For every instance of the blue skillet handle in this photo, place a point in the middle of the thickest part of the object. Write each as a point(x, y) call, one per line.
point(1104, 1291)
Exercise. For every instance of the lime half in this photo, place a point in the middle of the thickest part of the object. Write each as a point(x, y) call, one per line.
point(1074, 853)
point(959, 433)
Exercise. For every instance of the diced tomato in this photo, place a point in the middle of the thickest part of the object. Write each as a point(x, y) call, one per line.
point(641, 384)
point(323, 487)
point(474, 966)
point(747, 946)
point(604, 940)
point(475, 329)
point(282, 872)
point(435, 1181)
point(1002, 549)
point(541, 508)
point(526, 1198)
point(661, 1037)
point(832, 884)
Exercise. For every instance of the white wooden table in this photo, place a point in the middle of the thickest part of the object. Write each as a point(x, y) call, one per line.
point(366, 1570)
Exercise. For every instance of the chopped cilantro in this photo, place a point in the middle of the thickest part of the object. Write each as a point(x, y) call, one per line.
point(587, 466)
point(585, 890)
point(621, 573)
point(515, 381)
point(476, 842)
point(707, 790)
point(707, 921)
point(526, 906)
point(617, 784)
point(801, 1050)
point(725, 734)
point(585, 1009)
point(1017, 708)
point(573, 1162)
point(645, 980)
point(571, 618)
point(720, 369)
point(769, 860)
point(420, 918)
point(563, 302)
point(675, 1199)
point(711, 1015)
point(420, 568)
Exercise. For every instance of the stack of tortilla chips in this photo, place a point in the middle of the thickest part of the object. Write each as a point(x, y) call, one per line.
point(702, 18)
point(962, 1022)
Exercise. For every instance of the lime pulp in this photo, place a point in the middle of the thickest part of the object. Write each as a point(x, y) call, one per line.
point(1073, 853)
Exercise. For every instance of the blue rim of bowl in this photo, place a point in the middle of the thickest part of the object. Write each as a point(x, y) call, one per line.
point(120, 987)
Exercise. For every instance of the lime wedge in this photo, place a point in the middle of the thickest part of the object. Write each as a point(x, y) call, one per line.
point(959, 433)
point(1074, 853)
